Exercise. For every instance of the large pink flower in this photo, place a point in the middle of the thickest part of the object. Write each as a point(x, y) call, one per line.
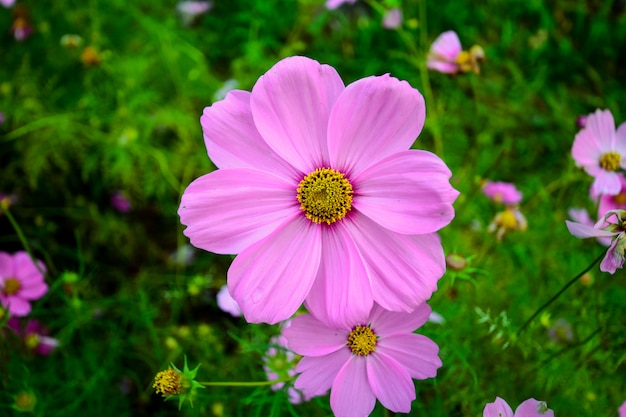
point(444, 52)
point(374, 357)
point(319, 195)
point(601, 151)
point(20, 282)
point(605, 228)
point(529, 408)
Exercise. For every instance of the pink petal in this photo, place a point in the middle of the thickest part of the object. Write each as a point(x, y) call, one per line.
point(403, 269)
point(6, 266)
point(230, 209)
point(602, 126)
point(387, 323)
point(16, 306)
point(418, 354)
point(586, 150)
point(614, 258)
point(498, 408)
point(33, 292)
point(291, 104)
point(533, 408)
point(447, 46)
point(307, 336)
point(408, 192)
point(318, 373)
point(434, 63)
point(606, 182)
point(373, 118)
point(620, 143)
point(24, 266)
point(233, 141)
point(584, 230)
point(341, 295)
point(270, 279)
point(351, 395)
point(390, 382)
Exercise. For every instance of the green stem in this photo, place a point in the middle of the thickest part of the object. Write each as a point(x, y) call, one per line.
point(20, 235)
point(243, 384)
point(555, 296)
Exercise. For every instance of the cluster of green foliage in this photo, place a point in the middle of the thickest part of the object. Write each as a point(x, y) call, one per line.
point(124, 301)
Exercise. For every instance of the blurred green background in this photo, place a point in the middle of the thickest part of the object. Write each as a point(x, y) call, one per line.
point(118, 111)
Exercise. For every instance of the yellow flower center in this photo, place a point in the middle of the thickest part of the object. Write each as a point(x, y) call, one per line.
point(167, 382)
point(508, 220)
point(610, 161)
point(31, 341)
point(325, 195)
point(11, 286)
point(620, 199)
point(362, 340)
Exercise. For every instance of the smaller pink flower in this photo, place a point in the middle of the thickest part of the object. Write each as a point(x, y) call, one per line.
point(376, 358)
point(614, 258)
point(601, 150)
point(502, 192)
point(333, 4)
point(120, 202)
point(7, 3)
point(529, 408)
point(20, 282)
point(581, 121)
point(34, 335)
point(622, 410)
point(392, 18)
point(190, 10)
point(444, 53)
point(227, 303)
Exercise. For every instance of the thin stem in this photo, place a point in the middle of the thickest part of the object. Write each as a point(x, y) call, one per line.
point(243, 384)
point(20, 235)
point(551, 300)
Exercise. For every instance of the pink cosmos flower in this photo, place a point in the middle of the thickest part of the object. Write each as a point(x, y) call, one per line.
point(392, 18)
point(7, 3)
point(502, 192)
point(20, 282)
point(622, 410)
point(280, 363)
point(34, 335)
point(373, 358)
point(319, 195)
point(614, 258)
point(601, 151)
point(529, 408)
point(333, 4)
point(444, 53)
point(226, 303)
point(120, 202)
point(190, 10)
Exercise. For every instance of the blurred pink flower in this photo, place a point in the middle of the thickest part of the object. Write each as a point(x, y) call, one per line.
point(34, 335)
point(581, 121)
point(502, 192)
point(373, 358)
point(333, 4)
point(21, 29)
point(190, 10)
point(226, 303)
point(392, 18)
point(601, 151)
point(622, 410)
point(529, 408)
point(444, 53)
point(20, 282)
point(614, 258)
point(7, 3)
point(120, 202)
point(320, 196)
point(280, 363)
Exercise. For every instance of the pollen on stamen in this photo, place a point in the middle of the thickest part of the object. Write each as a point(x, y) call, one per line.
point(325, 195)
point(610, 161)
point(362, 340)
point(11, 286)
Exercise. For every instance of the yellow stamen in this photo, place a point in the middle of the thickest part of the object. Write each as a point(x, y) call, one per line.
point(11, 286)
point(507, 220)
point(167, 382)
point(620, 199)
point(610, 161)
point(362, 340)
point(325, 196)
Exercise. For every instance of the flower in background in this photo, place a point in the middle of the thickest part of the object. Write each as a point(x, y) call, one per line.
point(502, 192)
point(190, 10)
point(279, 363)
point(529, 408)
point(71, 41)
point(447, 56)
point(120, 202)
point(333, 4)
point(91, 56)
point(35, 336)
point(6, 201)
point(21, 28)
point(373, 358)
point(581, 121)
point(21, 281)
point(622, 410)
point(601, 151)
point(392, 18)
point(174, 383)
point(7, 3)
point(508, 220)
point(364, 203)
point(561, 332)
point(614, 257)
point(227, 303)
